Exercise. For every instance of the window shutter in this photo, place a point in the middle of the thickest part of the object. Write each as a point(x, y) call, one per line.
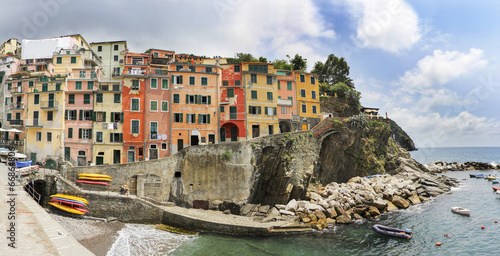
point(121, 117)
point(274, 111)
point(66, 114)
point(81, 115)
point(121, 137)
point(194, 118)
point(93, 116)
point(70, 132)
point(104, 116)
point(249, 109)
point(80, 133)
point(111, 137)
point(265, 111)
point(112, 117)
point(90, 133)
point(181, 117)
point(260, 110)
point(209, 100)
point(199, 118)
point(187, 99)
point(208, 118)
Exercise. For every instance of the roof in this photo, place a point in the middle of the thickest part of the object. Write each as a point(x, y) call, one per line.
point(155, 49)
point(109, 42)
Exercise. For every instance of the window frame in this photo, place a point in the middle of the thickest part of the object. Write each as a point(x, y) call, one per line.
point(163, 102)
point(151, 105)
point(138, 104)
point(138, 125)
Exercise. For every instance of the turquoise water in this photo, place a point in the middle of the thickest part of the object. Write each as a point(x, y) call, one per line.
point(430, 222)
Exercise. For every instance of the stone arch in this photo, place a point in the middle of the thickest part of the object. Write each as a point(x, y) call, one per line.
point(285, 126)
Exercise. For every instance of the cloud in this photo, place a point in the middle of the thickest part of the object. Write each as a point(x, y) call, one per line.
point(442, 67)
point(442, 97)
point(391, 26)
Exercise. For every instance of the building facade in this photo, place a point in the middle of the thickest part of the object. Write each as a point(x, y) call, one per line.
point(307, 99)
point(287, 101)
point(232, 104)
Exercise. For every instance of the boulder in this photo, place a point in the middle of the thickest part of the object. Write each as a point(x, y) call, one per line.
point(324, 204)
point(373, 211)
point(400, 202)
point(314, 207)
point(302, 204)
point(379, 203)
point(391, 207)
point(291, 206)
point(274, 211)
point(331, 213)
point(264, 209)
point(320, 215)
point(339, 210)
point(343, 219)
point(285, 212)
point(280, 206)
point(315, 196)
point(330, 221)
point(414, 199)
point(423, 198)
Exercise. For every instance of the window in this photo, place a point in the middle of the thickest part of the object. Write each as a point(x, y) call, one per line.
point(302, 93)
point(9, 116)
point(38, 136)
point(279, 85)
point(232, 113)
point(191, 99)
point(135, 105)
point(269, 111)
point(98, 98)
point(313, 95)
point(115, 58)
point(177, 79)
point(86, 115)
point(135, 84)
point(85, 133)
point(269, 95)
point(291, 99)
point(116, 71)
point(153, 128)
point(237, 82)
point(78, 85)
point(302, 79)
point(116, 137)
point(99, 48)
point(253, 78)
point(230, 93)
point(164, 106)
point(304, 108)
point(45, 87)
point(37, 99)
point(177, 98)
point(86, 99)
point(70, 133)
point(177, 118)
point(115, 47)
point(271, 129)
point(204, 81)
point(314, 110)
point(30, 83)
point(117, 98)
point(153, 105)
point(254, 110)
point(164, 146)
point(98, 136)
point(73, 60)
point(100, 116)
point(191, 118)
point(50, 115)
point(313, 80)
point(83, 74)
point(90, 85)
point(283, 110)
point(135, 126)
point(71, 115)
point(253, 94)
point(178, 67)
point(289, 85)
point(205, 100)
point(116, 87)
point(208, 69)
point(59, 60)
point(236, 68)
point(269, 80)
point(164, 84)
point(257, 68)
point(203, 118)
point(154, 83)
point(191, 80)
point(225, 83)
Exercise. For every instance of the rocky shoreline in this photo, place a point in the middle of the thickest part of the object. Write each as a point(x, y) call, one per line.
point(440, 166)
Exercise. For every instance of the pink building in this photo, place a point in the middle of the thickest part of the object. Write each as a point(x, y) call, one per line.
point(287, 102)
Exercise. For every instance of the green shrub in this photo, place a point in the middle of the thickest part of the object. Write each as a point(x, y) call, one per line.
point(228, 155)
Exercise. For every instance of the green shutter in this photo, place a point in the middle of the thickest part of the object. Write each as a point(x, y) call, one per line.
point(249, 109)
point(208, 118)
point(199, 118)
point(70, 132)
point(80, 133)
point(112, 117)
point(121, 137)
point(265, 110)
point(274, 111)
point(104, 116)
point(121, 117)
point(111, 137)
point(260, 110)
point(93, 116)
point(181, 118)
point(209, 100)
point(81, 115)
point(187, 99)
point(90, 133)
point(66, 114)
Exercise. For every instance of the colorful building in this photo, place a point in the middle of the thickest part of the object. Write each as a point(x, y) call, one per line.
point(9, 65)
point(261, 91)
point(232, 104)
point(10, 46)
point(287, 101)
point(194, 106)
point(112, 55)
point(307, 99)
point(189, 58)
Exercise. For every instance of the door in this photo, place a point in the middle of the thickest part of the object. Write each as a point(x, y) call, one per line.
point(131, 156)
point(211, 138)
point(255, 131)
point(234, 133)
point(304, 127)
point(223, 134)
point(194, 140)
point(67, 153)
point(180, 144)
point(116, 156)
point(51, 100)
point(153, 153)
point(133, 185)
point(82, 160)
point(33, 158)
point(35, 118)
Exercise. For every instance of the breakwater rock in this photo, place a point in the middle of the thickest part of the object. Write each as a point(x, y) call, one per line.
point(440, 166)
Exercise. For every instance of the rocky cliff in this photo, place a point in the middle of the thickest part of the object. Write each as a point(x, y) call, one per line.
point(401, 137)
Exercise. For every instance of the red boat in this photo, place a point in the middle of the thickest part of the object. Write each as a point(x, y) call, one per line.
point(495, 188)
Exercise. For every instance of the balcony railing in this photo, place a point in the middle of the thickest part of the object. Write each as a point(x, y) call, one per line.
point(285, 102)
point(138, 72)
point(16, 89)
point(159, 71)
point(17, 105)
point(16, 122)
point(50, 104)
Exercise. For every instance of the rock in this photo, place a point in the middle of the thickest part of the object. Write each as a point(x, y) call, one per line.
point(330, 221)
point(274, 211)
point(387, 196)
point(373, 211)
point(264, 209)
point(320, 226)
point(313, 217)
point(285, 212)
point(247, 209)
point(400, 202)
point(320, 215)
point(270, 218)
point(356, 179)
point(423, 198)
point(434, 191)
point(414, 199)
point(324, 204)
point(291, 206)
point(391, 207)
point(316, 197)
point(306, 220)
point(331, 213)
point(314, 207)
point(281, 206)
point(339, 210)
point(357, 216)
point(302, 204)
point(343, 219)
point(379, 203)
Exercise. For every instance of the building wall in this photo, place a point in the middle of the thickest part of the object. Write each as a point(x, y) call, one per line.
point(284, 93)
point(107, 55)
point(229, 76)
point(157, 141)
point(10, 45)
point(308, 118)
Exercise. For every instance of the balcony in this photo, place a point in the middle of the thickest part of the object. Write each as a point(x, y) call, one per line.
point(283, 102)
point(160, 61)
point(159, 71)
point(16, 90)
point(17, 105)
point(134, 72)
point(16, 122)
point(49, 104)
point(33, 123)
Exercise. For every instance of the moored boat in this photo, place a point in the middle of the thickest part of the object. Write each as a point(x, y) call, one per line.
point(495, 188)
point(491, 177)
point(495, 181)
point(460, 210)
point(472, 175)
point(66, 208)
point(389, 231)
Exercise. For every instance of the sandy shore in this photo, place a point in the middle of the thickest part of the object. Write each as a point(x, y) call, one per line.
point(96, 236)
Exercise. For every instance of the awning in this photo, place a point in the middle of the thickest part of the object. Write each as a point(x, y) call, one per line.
point(15, 131)
point(2, 130)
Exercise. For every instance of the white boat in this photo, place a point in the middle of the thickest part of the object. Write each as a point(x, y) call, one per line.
point(460, 210)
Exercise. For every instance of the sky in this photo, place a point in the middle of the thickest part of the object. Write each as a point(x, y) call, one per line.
point(432, 66)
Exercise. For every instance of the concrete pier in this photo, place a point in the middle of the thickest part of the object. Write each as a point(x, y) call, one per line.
point(36, 233)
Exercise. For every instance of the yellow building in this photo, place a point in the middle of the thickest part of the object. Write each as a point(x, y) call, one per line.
point(307, 99)
point(261, 98)
point(10, 46)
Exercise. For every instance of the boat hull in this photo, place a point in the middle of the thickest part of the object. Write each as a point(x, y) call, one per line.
point(394, 232)
point(460, 210)
point(93, 182)
point(71, 198)
point(66, 202)
point(66, 208)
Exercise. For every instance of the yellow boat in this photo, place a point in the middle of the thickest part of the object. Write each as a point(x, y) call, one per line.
point(492, 177)
point(94, 178)
point(66, 208)
point(71, 198)
point(94, 175)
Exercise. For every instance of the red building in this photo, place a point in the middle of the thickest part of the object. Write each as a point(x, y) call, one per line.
point(232, 104)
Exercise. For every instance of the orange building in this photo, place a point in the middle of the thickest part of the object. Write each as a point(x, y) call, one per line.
point(307, 99)
point(232, 104)
point(194, 106)
point(189, 58)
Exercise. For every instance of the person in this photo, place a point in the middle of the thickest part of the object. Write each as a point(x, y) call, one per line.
point(123, 190)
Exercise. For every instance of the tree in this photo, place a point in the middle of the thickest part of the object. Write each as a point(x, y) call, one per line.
point(282, 64)
point(262, 59)
point(333, 71)
point(299, 63)
point(242, 57)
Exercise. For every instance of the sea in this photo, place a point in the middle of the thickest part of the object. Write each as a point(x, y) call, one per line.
point(431, 222)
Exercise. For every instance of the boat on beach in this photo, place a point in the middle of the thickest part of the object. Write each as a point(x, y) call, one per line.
point(389, 231)
point(460, 210)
